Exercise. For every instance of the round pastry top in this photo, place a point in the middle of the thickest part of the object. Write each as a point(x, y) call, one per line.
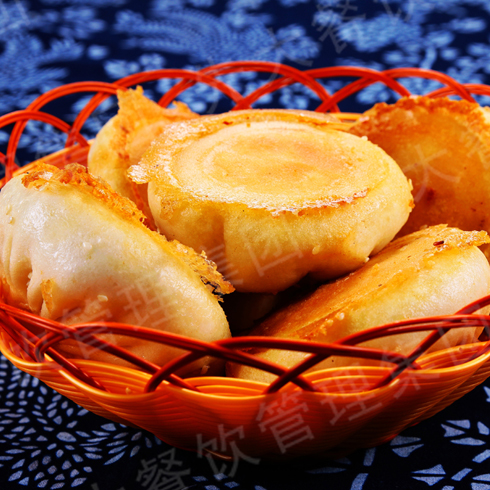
point(279, 160)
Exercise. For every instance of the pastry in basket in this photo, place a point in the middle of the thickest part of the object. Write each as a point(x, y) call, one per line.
point(124, 138)
point(435, 271)
point(443, 147)
point(74, 251)
point(274, 195)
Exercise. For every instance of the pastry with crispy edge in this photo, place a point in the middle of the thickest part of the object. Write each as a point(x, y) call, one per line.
point(435, 271)
point(443, 147)
point(124, 138)
point(74, 251)
point(273, 195)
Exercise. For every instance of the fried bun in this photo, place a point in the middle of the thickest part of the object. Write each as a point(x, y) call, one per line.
point(74, 251)
point(435, 271)
point(273, 195)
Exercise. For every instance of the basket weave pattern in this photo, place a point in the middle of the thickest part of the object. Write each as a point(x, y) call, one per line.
point(329, 412)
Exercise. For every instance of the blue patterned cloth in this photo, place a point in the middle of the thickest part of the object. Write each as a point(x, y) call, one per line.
point(46, 441)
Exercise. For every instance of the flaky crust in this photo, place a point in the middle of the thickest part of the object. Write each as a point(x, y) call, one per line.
point(74, 251)
point(443, 147)
point(273, 195)
point(435, 271)
point(124, 138)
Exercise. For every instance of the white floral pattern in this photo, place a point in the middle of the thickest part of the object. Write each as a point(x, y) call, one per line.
point(47, 441)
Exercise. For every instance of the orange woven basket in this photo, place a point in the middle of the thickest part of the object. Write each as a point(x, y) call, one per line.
point(324, 413)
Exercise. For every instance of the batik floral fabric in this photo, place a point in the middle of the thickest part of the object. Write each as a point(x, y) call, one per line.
point(46, 441)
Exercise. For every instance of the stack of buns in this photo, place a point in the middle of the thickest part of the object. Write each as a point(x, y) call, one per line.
point(176, 211)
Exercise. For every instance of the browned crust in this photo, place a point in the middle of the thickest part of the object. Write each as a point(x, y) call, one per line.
point(136, 110)
point(113, 147)
point(457, 108)
point(443, 145)
point(304, 314)
point(469, 114)
point(76, 175)
point(177, 136)
point(47, 287)
point(47, 176)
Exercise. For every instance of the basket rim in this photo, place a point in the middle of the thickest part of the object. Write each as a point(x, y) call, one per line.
point(196, 382)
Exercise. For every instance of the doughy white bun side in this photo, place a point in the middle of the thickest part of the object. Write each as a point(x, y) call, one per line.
point(105, 157)
point(435, 271)
point(73, 256)
point(272, 196)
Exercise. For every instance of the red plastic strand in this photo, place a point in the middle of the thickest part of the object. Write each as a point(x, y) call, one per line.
point(291, 75)
point(207, 75)
point(472, 88)
point(459, 88)
point(368, 75)
point(430, 340)
point(231, 356)
point(149, 76)
point(65, 331)
point(185, 75)
point(44, 345)
point(25, 338)
point(24, 116)
point(19, 334)
point(56, 93)
point(314, 359)
point(475, 306)
point(219, 349)
point(196, 347)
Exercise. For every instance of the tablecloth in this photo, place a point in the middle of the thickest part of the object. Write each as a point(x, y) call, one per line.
point(47, 441)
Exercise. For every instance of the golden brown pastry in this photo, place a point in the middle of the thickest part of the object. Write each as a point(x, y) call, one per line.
point(435, 271)
point(124, 138)
point(443, 147)
point(273, 195)
point(74, 251)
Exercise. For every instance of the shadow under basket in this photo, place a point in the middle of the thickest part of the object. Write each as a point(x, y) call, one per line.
point(324, 413)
